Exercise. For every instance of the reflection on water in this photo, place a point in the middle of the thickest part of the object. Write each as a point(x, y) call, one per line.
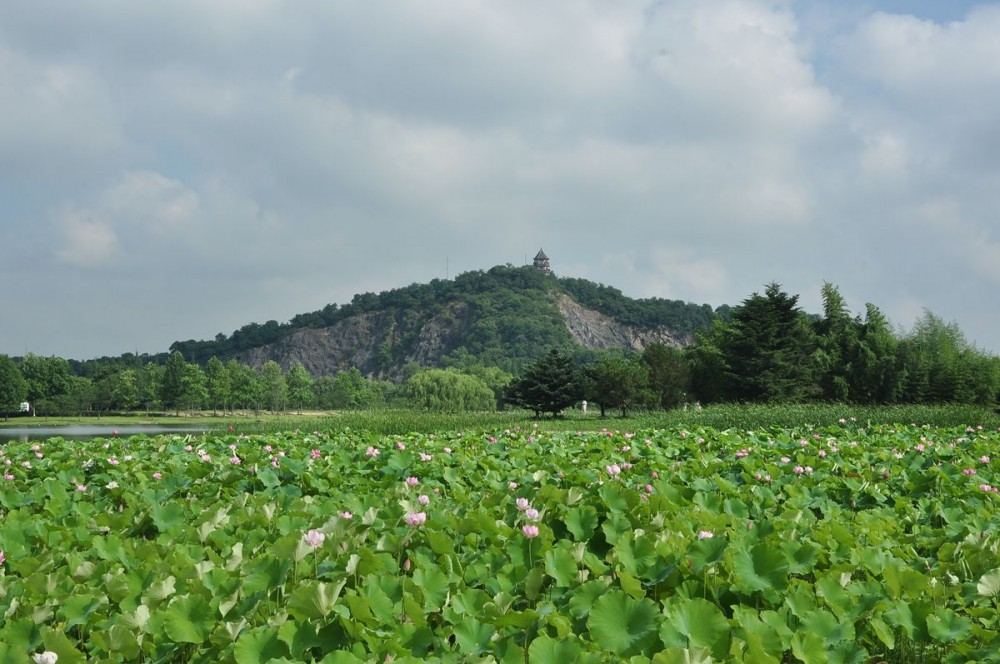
point(88, 431)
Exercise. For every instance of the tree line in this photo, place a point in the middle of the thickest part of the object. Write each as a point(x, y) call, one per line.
point(765, 350)
point(770, 351)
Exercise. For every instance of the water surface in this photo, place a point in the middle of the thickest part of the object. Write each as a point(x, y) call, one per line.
point(88, 431)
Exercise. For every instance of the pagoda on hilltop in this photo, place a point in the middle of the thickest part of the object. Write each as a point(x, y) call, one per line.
point(542, 262)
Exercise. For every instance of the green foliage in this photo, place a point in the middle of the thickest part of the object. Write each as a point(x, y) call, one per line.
point(549, 385)
point(671, 544)
point(13, 387)
point(669, 374)
point(299, 386)
point(275, 388)
point(449, 390)
point(500, 317)
point(615, 382)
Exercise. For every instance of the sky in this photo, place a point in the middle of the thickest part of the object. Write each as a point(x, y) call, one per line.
point(176, 170)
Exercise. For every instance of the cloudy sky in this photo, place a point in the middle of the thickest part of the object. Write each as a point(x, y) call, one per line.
point(173, 170)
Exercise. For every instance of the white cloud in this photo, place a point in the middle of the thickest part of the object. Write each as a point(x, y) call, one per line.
point(293, 155)
point(87, 241)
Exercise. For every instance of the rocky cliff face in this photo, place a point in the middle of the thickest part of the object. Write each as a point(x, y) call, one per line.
point(366, 341)
point(593, 329)
point(363, 341)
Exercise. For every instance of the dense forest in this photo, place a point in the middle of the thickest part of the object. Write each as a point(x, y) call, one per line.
point(766, 349)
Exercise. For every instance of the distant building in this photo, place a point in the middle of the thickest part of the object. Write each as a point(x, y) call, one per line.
point(542, 262)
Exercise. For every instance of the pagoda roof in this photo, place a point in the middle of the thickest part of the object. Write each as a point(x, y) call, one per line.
point(540, 256)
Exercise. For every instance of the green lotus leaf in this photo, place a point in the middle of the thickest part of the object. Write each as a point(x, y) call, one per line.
point(683, 656)
point(825, 625)
point(946, 626)
point(57, 642)
point(259, 645)
point(13, 654)
point(705, 552)
point(546, 650)
point(884, 633)
point(118, 639)
point(473, 637)
point(696, 623)
point(623, 625)
point(613, 498)
point(265, 573)
point(581, 522)
point(342, 657)
point(168, 516)
point(434, 585)
point(560, 564)
point(77, 609)
point(314, 599)
point(809, 647)
point(760, 568)
point(189, 619)
point(989, 584)
point(22, 634)
point(583, 597)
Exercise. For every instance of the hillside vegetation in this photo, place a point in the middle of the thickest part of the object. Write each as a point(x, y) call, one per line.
point(505, 317)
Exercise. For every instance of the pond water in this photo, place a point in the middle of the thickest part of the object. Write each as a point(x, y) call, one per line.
point(88, 431)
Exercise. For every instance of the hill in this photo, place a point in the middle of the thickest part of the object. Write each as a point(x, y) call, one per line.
point(505, 316)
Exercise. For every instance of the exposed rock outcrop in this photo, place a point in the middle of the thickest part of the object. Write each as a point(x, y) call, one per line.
point(381, 343)
point(593, 329)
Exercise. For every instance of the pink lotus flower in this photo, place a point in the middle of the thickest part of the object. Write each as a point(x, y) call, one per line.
point(235, 460)
point(511, 485)
point(531, 514)
point(968, 471)
point(314, 538)
point(81, 487)
point(424, 499)
point(530, 531)
point(371, 451)
point(400, 446)
point(798, 470)
point(315, 454)
point(412, 481)
point(47, 657)
point(346, 515)
point(8, 476)
point(157, 475)
point(415, 518)
point(705, 534)
point(522, 503)
point(984, 459)
point(3, 558)
point(613, 470)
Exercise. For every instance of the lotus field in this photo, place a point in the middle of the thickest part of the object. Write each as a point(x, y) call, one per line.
point(844, 543)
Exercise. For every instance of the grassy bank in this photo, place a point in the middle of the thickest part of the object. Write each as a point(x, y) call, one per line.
point(395, 422)
point(389, 422)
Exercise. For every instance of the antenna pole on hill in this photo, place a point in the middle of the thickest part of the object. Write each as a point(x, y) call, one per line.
point(447, 268)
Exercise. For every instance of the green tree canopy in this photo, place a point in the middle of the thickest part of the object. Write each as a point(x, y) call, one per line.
point(615, 382)
point(13, 387)
point(548, 385)
point(449, 390)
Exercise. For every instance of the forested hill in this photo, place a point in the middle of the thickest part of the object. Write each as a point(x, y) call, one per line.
point(504, 316)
